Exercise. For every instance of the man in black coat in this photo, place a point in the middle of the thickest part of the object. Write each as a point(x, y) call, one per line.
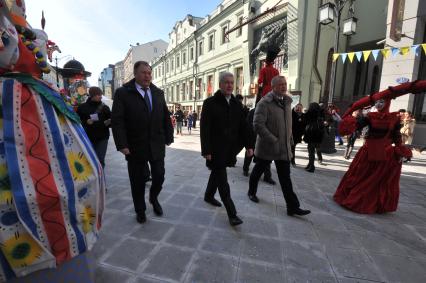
point(141, 127)
point(222, 127)
point(298, 128)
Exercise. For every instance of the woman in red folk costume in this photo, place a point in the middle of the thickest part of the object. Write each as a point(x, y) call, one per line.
point(268, 72)
point(371, 184)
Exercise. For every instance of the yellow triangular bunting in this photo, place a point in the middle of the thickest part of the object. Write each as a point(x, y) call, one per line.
point(424, 47)
point(385, 52)
point(351, 56)
point(404, 50)
point(335, 56)
point(366, 54)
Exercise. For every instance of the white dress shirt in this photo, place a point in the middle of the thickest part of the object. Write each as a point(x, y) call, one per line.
point(142, 92)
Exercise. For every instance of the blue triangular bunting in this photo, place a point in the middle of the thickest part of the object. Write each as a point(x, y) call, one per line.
point(375, 53)
point(415, 49)
point(358, 55)
point(344, 55)
point(394, 51)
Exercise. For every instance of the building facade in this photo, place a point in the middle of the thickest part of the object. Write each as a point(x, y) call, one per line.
point(106, 81)
point(145, 52)
point(201, 49)
point(406, 26)
point(118, 76)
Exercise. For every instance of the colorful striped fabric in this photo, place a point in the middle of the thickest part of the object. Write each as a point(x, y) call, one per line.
point(51, 183)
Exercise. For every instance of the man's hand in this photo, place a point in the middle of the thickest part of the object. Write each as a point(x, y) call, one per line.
point(249, 152)
point(208, 157)
point(107, 122)
point(89, 121)
point(125, 151)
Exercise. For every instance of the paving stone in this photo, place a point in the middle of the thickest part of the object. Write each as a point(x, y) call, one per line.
point(148, 280)
point(129, 254)
point(308, 256)
point(339, 239)
point(260, 227)
point(401, 269)
point(121, 224)
point(106, 274)
point(104, 244)
point(263, 249)
point(179, 199)
point(353, 264)
point(172, 213)
point(256, 273)
point(152, 230)
point(209, 268)
point(169, 263)
point(186, 236)
point(120, 204)
point(223, 242)
point(296, 275)
point(198, 217)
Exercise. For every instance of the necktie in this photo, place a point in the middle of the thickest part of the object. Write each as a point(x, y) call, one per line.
point(147, 100)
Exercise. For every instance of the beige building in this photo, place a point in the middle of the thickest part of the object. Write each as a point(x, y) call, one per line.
point(406, 26)
point(144, 52)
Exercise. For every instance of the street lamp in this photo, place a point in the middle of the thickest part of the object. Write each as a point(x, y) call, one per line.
point(327, 14)
point(349, 26)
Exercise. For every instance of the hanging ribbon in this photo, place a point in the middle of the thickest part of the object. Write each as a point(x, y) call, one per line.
point(404, 50)
point(343, 56)
point(366, 54)
point(386, 53)
point(424, 47)
point(335, 56)
point(351, 56)
point(358, 55)
point(375, 53)
point(415, 49)
point(395, 51)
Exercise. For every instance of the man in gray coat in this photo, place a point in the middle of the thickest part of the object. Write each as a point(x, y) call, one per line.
point(273, 125)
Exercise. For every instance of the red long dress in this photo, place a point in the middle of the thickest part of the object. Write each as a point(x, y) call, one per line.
point(371, 184)
point(266, 75)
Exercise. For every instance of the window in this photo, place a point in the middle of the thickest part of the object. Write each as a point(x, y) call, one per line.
point(225, 37)
point(240, 22)
point(184, 91)
point(200, 48)
point(191, 53)
point(209, 85)
point(177, 93)
point(184, 58)
point(199, 90)
point(171, 65)
point(155, 50)
point(167, 67)
point(190, 90)
point(211, 41)
point(177, 61)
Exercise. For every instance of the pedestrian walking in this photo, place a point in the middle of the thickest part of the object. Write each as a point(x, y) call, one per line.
point(194, 119)
point(142, 128)
point(248, 159)
point(314, 133)
point(179, 120)
point(95, 118)
point(189, 123)
point(298, 128)
point(272, 123)
point(222, 127)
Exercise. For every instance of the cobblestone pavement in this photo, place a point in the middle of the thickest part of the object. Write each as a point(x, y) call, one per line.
point(193, 241)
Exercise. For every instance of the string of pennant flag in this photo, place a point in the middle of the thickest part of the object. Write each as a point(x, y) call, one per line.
point(386, 53)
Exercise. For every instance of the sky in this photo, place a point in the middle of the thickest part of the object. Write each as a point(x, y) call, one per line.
point(99, 32)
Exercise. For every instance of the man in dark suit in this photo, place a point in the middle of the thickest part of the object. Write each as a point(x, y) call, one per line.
point(141, 127)
point(222, 128)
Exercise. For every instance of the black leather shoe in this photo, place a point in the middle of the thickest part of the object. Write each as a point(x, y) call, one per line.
point(148, 179)
point(310, 169)
point(235, 220)
point(298, 211)
point(320, 162)
point(253, 198)
point(158, 210)
point(269, 181)
point(245, 173)
point(213, 202)
point(141, 217)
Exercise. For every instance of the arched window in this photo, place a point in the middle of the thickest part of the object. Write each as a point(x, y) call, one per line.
point(327, 86)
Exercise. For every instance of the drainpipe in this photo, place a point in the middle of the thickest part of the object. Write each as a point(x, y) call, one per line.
point(316, 71)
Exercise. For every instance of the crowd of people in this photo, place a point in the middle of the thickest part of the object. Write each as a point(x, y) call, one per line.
point(142, 126)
